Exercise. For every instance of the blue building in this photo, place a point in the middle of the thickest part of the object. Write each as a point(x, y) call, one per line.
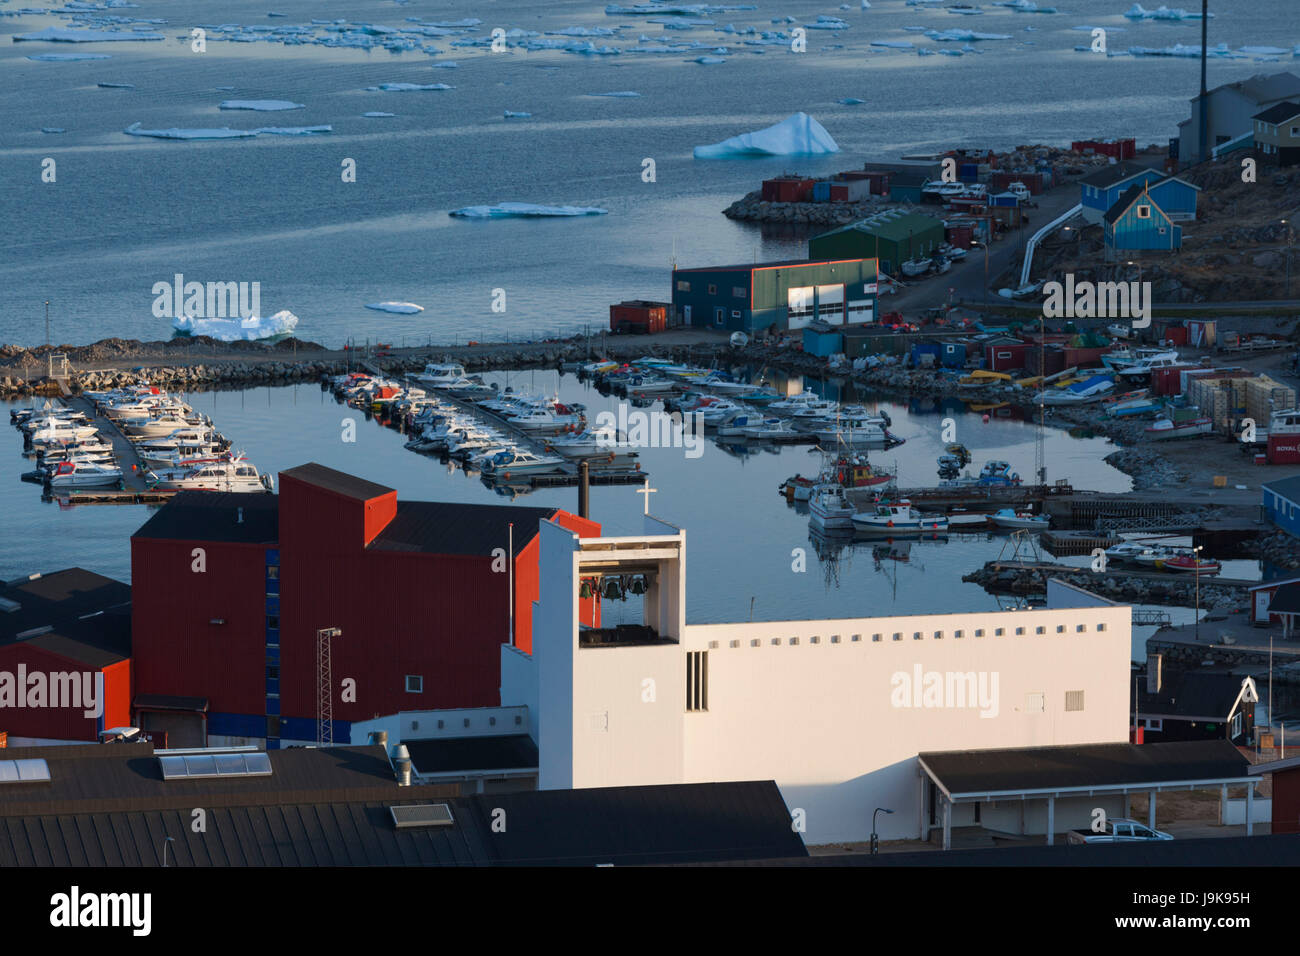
point(823, 340)
point(1136, 221)
point(1282, 504)
point(1100, 190)
point(1177, 197)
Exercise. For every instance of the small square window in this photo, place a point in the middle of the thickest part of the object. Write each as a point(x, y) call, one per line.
point(1102, 626)
point(755, 643)
point(273, 621)
point(938, 635)
point(713, 290)
point(815, 639)
point(1020, 632)
point(414, 684)
point(979, 632)
point(713, 645)
point(1040, 630)
point(735, 643)
point(683, 286)
point(858, 637)
point(739, 292)
point(776, 641)
point(898, 636)
point(1081, 628)
point(1144, 212)
point(794, 640)
point(1060, 629)
point(916, 635)
point(272, 572)
point(835, 638)
point(273, 672)
point(735, 313)
point(999, 632)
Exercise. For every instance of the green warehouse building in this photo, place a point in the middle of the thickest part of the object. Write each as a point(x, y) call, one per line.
point(891, 237)
point(787, 295)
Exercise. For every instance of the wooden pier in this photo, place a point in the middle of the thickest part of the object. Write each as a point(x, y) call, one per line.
point(133, 470)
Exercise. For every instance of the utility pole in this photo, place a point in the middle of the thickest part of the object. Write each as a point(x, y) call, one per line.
point(49, 362)
point(1205, 103)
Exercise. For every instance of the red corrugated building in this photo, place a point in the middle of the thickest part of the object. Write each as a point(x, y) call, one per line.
point(1005, 356)
point(1121, 149)
point(65, 656)
point(787, 189)
point(420, 592)
point(639, 315)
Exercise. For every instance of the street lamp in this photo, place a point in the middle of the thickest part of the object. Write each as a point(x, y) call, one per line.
point(1139, 265)
point(1196, 561)
point(875, 840)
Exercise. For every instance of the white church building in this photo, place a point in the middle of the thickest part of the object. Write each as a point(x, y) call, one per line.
point(835, 711)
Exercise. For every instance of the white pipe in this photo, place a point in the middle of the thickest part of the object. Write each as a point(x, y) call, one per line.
point(1060, 220)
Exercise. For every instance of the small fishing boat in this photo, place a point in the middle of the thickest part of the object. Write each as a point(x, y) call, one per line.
point(1152, 556)
point(768, 428)
point(1136, 405)
point(916, 267)
point(1165, 428)
point(829, 508)
point(440, 374)
point(735, 428)
point(1125, 551)
point(1189, 561)
point(797, 488)
point(898, 518)
point(1010, 518)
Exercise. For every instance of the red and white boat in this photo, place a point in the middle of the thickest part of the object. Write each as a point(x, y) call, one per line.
point(1186, 561)
point(1163, 428)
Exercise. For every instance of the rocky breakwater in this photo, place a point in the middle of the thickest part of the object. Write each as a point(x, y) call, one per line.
point(753, 208)
point(1175, 592)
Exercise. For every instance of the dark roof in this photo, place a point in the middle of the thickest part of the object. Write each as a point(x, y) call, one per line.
point(101, 778)
point(1126, 199)
point(1244, 852)
point(698, 822)
point(1279, 113)
point(215, 516)
point(1089, 765)
point(440, 527)
point(1195, 694)
point(1288, 488)
point(1286, 600)
point(88, 616)
point(513, 752)
point(169, 702)
point(339, 482)
point(624, 826)
point(751, 266)
point(902, 176)
point(1114, 174)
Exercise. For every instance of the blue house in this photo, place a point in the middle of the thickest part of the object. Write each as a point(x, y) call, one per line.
point(1136, 221)
point(1282, 504)
point(1177, 197)
point(1100, 190)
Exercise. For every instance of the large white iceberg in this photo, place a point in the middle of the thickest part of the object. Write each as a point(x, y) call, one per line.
point(402, 308)
point(64, 35)
point(506, 210)
point(263, 106)
point(235, 330)
point(799, 135)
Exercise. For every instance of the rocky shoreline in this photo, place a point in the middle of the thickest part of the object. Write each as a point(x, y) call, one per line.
point(1176, 592)
point(753, 208)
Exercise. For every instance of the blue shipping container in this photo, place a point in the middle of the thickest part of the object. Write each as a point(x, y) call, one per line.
point(969, 172)
point(822, 192)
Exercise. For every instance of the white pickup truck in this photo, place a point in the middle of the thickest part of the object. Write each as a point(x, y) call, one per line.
point(1119, 830)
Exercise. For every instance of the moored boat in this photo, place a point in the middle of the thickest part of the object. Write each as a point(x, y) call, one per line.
point(898, 518)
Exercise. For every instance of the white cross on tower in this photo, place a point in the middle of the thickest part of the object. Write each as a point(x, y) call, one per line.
point(647, 491)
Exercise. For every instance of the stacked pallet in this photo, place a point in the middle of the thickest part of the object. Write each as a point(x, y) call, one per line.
point(1265, 396)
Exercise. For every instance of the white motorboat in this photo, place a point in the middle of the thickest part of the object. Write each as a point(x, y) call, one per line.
point(440, 375)
point(1010, 518)
point(768, 428)
point(160, 426)
point(1125, 551)
point(1080, 393)
point(1143, 367)
point(723, 411)
point(1165, 428)
point(178, 437)
point(736, 427)
point(724, 386)
point(916, 267)
point(586, 443)
point(896, 518)
point(182, 454)
point(61, 451)
point(798, 403)
point(85, 474)
point(53, 430)
point(1150, 556)
point(230, 473)
point(511, 464)
point(829, 508)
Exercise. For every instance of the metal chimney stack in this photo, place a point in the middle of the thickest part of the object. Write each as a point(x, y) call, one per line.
point(584, 489)
point(402, 760)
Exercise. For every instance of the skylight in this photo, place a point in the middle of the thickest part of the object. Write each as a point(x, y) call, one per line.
point(24, 771)
point(201, 766)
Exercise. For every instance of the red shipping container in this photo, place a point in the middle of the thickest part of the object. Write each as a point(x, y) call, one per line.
point(638, 316)
point(1005, 358)
point(1121, 149)
point(787, 189)
point(1284, 449)
point(1001, 180)
point(1169, 381)
point(959, 237)
point(1175, 334)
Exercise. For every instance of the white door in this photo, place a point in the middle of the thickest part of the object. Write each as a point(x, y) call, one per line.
point(686, 314)
point(1262, 599)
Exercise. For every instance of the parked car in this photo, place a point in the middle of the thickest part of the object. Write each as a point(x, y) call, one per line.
point(1119, 830)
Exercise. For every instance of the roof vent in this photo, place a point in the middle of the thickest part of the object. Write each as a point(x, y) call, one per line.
point(422, 815)
point(24, 771)
point(9, 606)
point(239, 516)
point(33, 632)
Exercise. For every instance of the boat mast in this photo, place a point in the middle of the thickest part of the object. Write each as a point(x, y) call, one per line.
point(1040, 459)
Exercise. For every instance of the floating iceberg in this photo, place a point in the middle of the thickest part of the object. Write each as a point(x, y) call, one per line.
point(964, 36)
point(1220, 52)
point(850, 101)
point(621, 93)
point(376, 114)
point(224, 132)
point(64, 35)
point(235, 330)
point(116, 86)
point(53, 129)
point(827, 23)
point(894, 44)
point(682, 10)
point(513, 114)
point(403, 308)
point(1264, 50)
point(799, 135)
point(61, 57)
point(410, 87)
point(1023, 6)
point(506, 210)
point(710, 60)
point(1138, 12)
point(264, 106)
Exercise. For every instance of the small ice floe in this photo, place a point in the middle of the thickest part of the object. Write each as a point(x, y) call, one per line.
point(53, 129)
point(176, 133)
point(1220, 52)
point(894, 44)
point(915, 29)
point(293, 130)
point(402, 308)
point(261, 106)
point(376, 114)
point(1263, 50)
point(866, 4)
point(922, 51)
point(449, 65)
point(507, 210)
point(951, 53)
point(224, 89)
point(65, 35)
point(1085, 28)
point(850, 101)
point(1023, 6)
point(410, 87)
point(827, 23)
point(964, 36)
point(798, 135)
point(514, 114)
point(710, 60)
point(116, 86)
point(1138, 12)
point(237, 330)
point(618, 93)
point(66, 57)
